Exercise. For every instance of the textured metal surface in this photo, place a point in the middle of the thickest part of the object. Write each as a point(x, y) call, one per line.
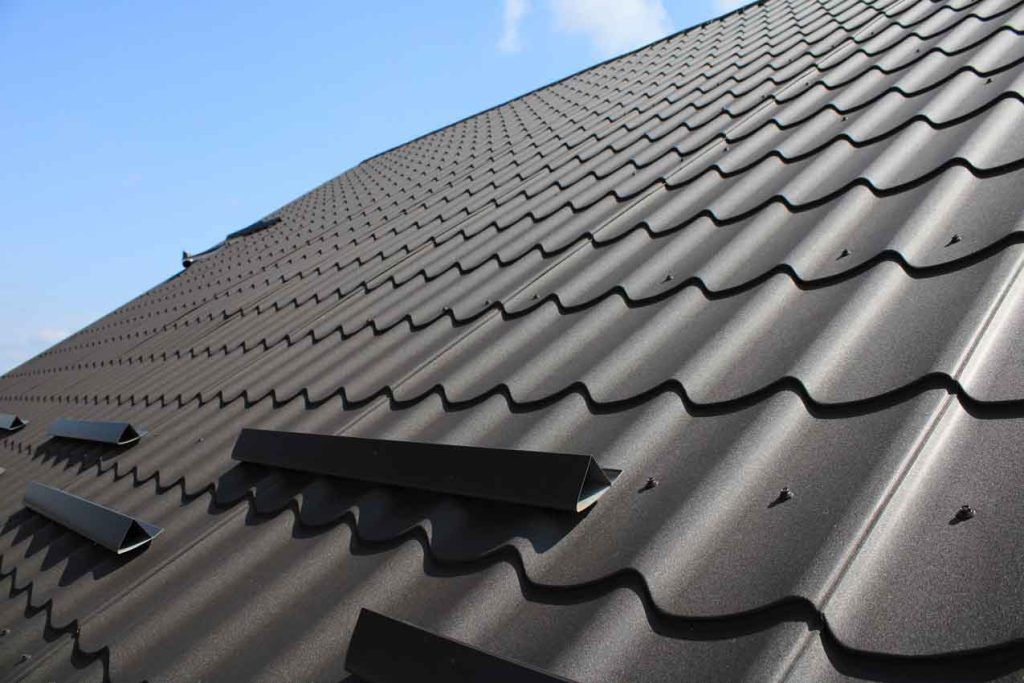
point(111, 529)
point(98, 431)
point(386, 650)
point(10, 423)
point(560, 481)
point(781, 251)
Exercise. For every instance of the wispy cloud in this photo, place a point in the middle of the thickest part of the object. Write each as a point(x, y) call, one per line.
point(723, 6)
point(19, 345)
point(613, 26)
point(511, 39)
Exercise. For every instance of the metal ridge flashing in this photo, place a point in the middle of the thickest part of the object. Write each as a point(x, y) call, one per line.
point(111, 529)
point(560, 481)
point(387, 650)
point(113, 433)
point(11, 423)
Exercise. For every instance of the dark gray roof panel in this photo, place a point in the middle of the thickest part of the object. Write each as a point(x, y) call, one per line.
point(777, 252)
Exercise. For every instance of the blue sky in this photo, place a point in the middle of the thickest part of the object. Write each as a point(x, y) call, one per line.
point(132, 131)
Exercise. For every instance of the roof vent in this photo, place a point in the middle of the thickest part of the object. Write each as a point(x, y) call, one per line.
point(187, 259)
point(259, 225)
point(11, 423)
point(113, 433)
point(386, 650)
point(551, 480)
point(111, 529)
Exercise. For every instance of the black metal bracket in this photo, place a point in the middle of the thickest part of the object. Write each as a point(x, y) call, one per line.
point(386, 650)
point(111, 529)
point(11, 423)
point(261, 224)
point(113, 433)
point(552, 480)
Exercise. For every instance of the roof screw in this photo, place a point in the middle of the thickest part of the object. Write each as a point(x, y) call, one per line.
point(953, 240)
point(5, 632)
point(988, 80)
point(649, 484)
point(668, 278)
point(536, 296)
point(843, 254)
point(24, 658)
point(784, 495)
point(965, 513)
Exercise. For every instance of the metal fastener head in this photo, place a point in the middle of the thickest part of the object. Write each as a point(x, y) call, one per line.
point(668, 278)
point(24, 658)
point(953, 240)
point(843, 254)
point(965, 513)
point(785, 494)
point(649, 484)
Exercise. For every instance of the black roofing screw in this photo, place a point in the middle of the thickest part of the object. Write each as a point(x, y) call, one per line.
point(649, 484)
point(668, 278)
point(965, 513)
point(5, 632)
point(953, 240)
point(843, 254)
point(784, 495)
point(24, 658)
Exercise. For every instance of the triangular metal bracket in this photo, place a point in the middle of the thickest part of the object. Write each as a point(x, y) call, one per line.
point(109, 528)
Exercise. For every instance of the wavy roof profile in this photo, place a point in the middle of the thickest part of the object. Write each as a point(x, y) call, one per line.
point(781, 250)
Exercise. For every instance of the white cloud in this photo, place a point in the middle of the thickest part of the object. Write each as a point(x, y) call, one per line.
point(51, 335)
point(19, 345)
point(613, 26)
point(728, 5)
point(510, 40)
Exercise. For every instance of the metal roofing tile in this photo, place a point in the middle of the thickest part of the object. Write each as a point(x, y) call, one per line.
point(809, 303)
point(925, 582)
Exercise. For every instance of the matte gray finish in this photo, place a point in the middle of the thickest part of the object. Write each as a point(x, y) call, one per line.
point(779, 252)
point(111, 529)
point(11, 423)
point(113, 433)
point(561, 481)
point(386, 650)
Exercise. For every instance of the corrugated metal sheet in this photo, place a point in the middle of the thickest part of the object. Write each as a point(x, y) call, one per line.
point(778, 250)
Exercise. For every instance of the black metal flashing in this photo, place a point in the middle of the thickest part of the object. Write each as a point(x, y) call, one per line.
point(11, 423)
point(259, 225)
point(552, 480)
point(386, 650)
point(111, 529)
point(113, 433)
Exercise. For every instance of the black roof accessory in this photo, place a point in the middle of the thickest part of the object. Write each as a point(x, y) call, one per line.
point(386, 650)
point(551, 480)
point(187, 259)
point(109, 528)
point(113, 433)
point(261, 224)
point(11, 423)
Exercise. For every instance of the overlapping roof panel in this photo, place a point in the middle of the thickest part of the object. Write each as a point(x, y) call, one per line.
point(778, 250)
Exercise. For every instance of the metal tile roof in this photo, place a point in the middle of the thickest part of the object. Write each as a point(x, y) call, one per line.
point(780, 250)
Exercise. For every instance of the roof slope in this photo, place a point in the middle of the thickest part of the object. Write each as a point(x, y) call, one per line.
point(778, 250)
